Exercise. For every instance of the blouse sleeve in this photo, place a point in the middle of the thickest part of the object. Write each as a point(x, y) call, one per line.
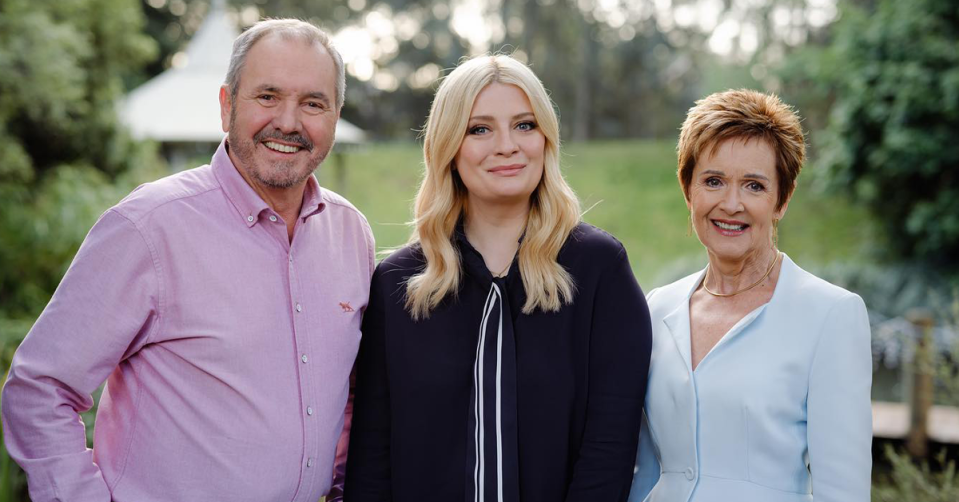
point(368, 461)
point(839, 410)
point(620, 344)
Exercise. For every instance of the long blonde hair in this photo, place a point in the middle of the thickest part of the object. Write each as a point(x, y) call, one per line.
point(441, 200)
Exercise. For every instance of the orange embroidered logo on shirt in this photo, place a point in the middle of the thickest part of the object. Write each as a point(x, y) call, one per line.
point(346, 307)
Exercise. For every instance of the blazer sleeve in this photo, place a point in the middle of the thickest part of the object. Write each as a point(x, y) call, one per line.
point(619, 348)
point(839, 410)
point(647, 470)
point(368, 461)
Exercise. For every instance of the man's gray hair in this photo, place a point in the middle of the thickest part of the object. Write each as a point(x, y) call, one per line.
point(288, 29)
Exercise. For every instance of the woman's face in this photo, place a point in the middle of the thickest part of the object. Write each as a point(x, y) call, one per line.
point(501, 158)
point(732, 199)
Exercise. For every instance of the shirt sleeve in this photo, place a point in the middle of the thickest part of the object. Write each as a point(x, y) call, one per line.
point(104, 310)
point(368, 463)
point(342, 447)
point(619, 349)
point(839, 411)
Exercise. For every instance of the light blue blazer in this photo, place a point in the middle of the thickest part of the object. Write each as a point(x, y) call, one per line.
point(778, 411)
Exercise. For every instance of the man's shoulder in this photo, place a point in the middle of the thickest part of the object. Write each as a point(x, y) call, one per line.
point(337, 202)
point(149, 197)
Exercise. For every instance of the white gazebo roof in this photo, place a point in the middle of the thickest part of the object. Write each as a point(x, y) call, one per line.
point(181, 104)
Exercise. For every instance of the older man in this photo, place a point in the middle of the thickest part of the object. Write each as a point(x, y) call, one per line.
point(221, 304)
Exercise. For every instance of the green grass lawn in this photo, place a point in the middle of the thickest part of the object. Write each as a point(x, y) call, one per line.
point(628, 188)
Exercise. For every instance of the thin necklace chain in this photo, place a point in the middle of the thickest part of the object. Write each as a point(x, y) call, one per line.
point(747, 288)
point(503, 272)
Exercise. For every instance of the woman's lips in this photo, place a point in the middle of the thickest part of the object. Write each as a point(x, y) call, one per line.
point(508, 170)
point(729, 228)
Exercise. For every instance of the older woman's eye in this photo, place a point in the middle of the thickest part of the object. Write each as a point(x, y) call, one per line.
point(713, 182)
point(756, 186)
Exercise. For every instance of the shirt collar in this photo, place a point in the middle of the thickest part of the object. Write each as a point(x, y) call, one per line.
point(312, 199)
point(247, 202)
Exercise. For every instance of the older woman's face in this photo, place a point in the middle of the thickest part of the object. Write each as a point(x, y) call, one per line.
point(732, 198)
point(501, 157)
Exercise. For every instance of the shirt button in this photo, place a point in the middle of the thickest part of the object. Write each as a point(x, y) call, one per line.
point(689, 473)
point(291, 259)
point(309, 462)
point(250, 218)
point(272, 217)
point(299, 308)
point(309, 410)
point(304, 359)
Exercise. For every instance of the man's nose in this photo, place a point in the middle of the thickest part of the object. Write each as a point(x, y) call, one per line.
point(287, 118)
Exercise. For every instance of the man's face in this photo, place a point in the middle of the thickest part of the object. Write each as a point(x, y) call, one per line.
point(282, 121)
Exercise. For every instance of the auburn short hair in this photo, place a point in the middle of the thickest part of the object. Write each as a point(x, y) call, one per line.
point(743, 114)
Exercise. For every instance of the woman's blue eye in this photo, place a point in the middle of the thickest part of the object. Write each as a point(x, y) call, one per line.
point(479, 130)
point(526, 126)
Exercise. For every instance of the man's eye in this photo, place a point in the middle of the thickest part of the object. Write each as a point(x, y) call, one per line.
point(314, 107)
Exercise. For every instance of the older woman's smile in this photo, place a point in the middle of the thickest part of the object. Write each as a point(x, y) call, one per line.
point(730, 228)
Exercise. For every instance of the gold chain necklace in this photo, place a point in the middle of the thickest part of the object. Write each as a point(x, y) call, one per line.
point(503, 273)
point(751, 286)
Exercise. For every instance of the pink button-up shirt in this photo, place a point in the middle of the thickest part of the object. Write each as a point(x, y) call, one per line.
point(228, 348)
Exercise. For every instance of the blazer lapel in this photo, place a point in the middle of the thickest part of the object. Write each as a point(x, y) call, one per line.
point(677, 322)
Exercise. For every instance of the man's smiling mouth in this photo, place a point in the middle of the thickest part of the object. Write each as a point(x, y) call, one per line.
point(281, 148)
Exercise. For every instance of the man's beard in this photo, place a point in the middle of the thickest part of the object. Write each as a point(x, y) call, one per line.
point(280, 175)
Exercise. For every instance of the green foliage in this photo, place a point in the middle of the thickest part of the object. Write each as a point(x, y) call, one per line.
point(61, 71)
point(918, 482)
point(895, 120)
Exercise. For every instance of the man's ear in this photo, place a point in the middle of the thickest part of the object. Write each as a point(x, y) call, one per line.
point(226, 107)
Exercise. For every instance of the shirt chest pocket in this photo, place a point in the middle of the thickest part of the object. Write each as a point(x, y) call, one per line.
point(330, 318)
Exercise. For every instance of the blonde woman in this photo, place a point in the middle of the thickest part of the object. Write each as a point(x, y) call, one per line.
point(505, 350)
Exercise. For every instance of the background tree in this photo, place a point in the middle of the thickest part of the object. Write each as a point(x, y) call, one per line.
point(61, 71)
point(891, 138)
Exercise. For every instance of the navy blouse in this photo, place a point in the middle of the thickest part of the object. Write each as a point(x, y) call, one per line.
point(559, 395)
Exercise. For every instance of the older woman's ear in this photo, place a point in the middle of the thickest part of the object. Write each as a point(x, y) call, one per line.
point(781, 212)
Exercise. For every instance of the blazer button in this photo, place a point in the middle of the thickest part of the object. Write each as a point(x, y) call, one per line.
point(689, 473)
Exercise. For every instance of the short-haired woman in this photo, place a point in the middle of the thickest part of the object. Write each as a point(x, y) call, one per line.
point(760, 375)
point(505, 350)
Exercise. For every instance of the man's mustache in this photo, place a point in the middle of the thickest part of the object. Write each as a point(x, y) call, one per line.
point(289, 138)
